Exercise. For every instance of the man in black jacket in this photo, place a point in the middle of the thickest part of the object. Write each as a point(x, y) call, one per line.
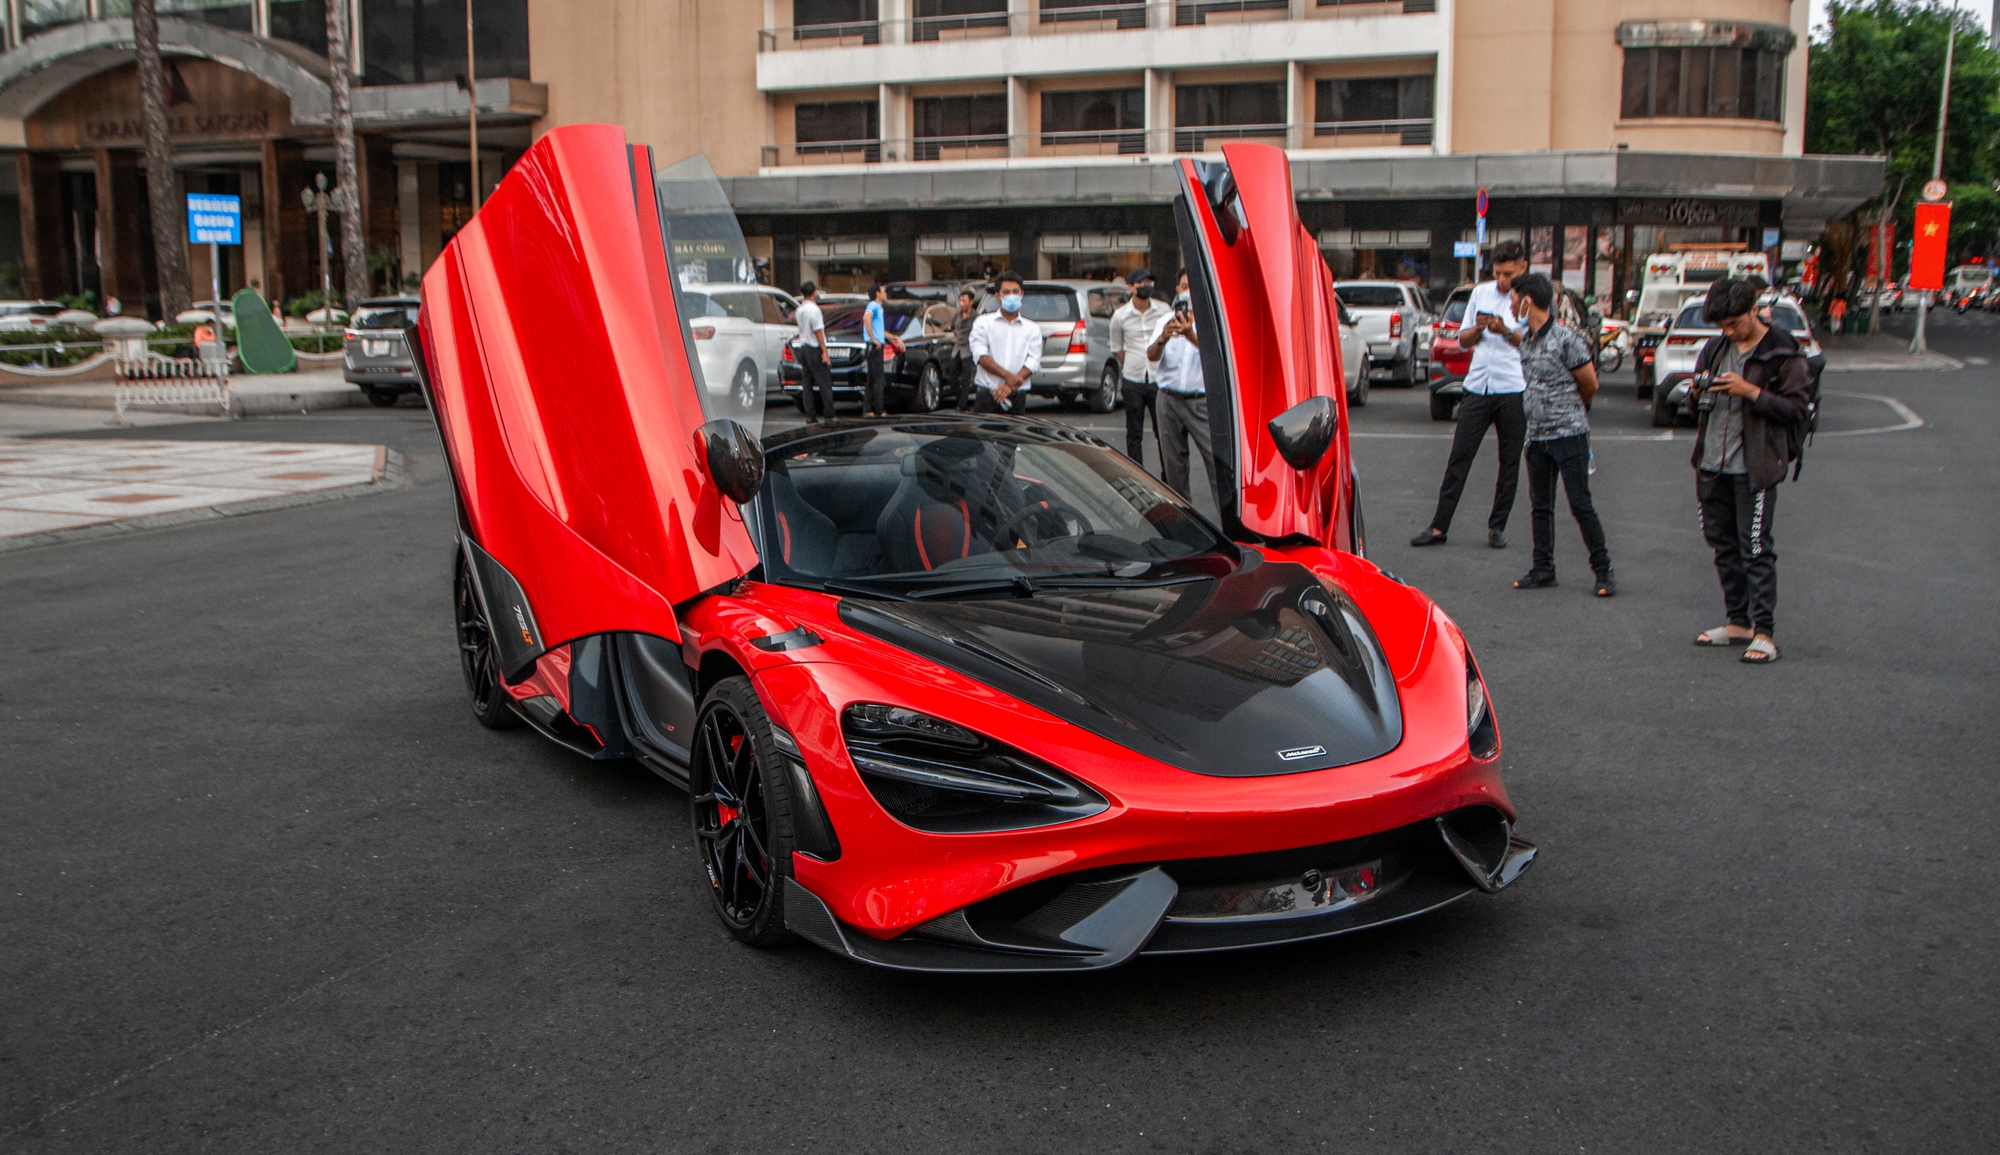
point(1747, 423)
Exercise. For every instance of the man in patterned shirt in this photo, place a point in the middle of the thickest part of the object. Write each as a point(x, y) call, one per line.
point(1562, 375)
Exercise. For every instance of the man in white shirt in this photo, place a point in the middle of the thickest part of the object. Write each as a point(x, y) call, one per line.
point(810, 348)
point(1134, 325)
point(1183, 401)
point(1007, 348)
point(1493, 389)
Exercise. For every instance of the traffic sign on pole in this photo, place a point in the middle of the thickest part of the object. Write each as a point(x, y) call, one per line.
point(214, 219)
point(1479, 228)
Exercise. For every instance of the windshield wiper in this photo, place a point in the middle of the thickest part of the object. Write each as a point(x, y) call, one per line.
point(867, 591)
point(1020, 584)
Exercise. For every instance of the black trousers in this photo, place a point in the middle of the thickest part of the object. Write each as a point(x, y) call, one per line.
point(962, 377)
point(1736, 520)
point(878, 382)
point(1140, 397)
point(1510, 422)
point(1017, 402)
point(1569, 459)
point(815, 377)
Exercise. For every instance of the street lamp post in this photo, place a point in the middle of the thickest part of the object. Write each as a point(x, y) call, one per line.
point(318, 200)
point(1918, 344)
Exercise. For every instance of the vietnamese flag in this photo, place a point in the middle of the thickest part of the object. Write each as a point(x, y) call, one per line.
point(1927, 246)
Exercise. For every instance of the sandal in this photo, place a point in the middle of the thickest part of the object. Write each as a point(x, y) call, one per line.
point(1535, 580)
point(1761, 652)
point(1720, 636)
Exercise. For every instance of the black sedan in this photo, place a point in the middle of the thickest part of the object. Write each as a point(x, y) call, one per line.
point(921, 378)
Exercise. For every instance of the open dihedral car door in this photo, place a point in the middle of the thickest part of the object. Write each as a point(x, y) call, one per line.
point(562, 377)
point(1270, 350)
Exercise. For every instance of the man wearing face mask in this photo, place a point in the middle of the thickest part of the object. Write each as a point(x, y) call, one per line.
point(1133, 327)
point(1183, 398)
point(1007, 347)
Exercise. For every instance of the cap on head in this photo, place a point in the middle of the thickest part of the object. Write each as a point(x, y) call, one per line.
point(1142, 273)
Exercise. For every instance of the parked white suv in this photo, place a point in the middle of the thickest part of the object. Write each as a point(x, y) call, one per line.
point(740, 333)
point(1394, 320)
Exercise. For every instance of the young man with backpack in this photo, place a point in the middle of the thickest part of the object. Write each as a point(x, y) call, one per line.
point(1750, 424)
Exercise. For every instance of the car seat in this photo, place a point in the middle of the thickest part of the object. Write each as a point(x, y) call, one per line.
point(939, 509)
point(807, 540)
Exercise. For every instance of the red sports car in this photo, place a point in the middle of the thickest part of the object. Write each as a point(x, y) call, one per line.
point(951, 692)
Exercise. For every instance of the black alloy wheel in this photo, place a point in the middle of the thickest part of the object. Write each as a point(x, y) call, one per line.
point(1664, 413)
point(476, 656)
point(1443, 407)
point(742, 813)
point(1109, 385)
point(929, 390)
point(746, 388)
point(382, 398)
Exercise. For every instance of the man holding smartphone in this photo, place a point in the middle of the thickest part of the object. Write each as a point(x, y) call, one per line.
point(1493, 388)
point(1183, 400)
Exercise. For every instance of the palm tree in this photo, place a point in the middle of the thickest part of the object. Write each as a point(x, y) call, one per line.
point(353, 250)
point(169, 244)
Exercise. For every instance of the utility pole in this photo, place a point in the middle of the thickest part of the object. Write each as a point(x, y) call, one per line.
point(473, 108)
point(1917, 343)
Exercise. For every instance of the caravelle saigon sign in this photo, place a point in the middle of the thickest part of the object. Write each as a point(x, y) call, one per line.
point(206, 102)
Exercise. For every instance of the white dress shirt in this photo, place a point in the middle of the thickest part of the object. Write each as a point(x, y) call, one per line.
point(1132, 333)
point(1013, 345)
point(1180, 368)
point(810, 320)
point(1496, 365)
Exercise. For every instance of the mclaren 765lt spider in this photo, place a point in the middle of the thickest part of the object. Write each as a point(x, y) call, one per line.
point(951, 692)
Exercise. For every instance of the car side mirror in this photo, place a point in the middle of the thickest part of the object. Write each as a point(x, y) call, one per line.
point(734, 460)
point(1304, 432)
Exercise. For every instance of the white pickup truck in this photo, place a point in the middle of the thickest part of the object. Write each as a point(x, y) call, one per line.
point(1395, 322)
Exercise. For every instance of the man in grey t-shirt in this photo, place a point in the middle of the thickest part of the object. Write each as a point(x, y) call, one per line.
point(1561, 375)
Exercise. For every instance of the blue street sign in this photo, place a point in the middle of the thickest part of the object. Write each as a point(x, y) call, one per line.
point(1465, 248)
point(214, 219)
point(1481, 241)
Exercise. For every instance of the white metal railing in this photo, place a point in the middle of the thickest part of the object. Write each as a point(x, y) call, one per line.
point(1090, 142)
point(1044, 17)
point(153, 379)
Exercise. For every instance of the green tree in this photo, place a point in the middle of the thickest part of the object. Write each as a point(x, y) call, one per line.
point(1872, 87)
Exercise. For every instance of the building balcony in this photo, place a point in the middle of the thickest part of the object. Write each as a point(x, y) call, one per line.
point(1397, 137)
point(1070, 17)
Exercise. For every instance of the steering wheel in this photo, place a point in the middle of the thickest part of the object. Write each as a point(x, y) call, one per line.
point(1017, 525)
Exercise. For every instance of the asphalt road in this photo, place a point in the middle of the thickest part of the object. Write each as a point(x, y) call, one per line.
point(267, 887)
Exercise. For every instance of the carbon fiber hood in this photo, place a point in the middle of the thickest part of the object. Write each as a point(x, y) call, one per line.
point(1262, 672)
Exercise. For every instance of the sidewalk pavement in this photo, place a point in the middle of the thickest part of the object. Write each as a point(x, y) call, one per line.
point(252, 395)
point(1879, 352)
point(61, 490)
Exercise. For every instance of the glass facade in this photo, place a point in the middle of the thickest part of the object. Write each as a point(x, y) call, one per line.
point(423, 41)
point(1722, 83)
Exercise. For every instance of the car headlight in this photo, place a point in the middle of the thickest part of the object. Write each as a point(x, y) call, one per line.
point(940, 777)
point(1481, 733)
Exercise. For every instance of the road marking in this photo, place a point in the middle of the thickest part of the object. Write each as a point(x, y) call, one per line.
point(1977, 361)
point(1909, 416)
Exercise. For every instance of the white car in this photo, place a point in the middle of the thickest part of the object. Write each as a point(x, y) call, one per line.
point(740, 333)
point(18, 315)
point(1688, 332)
point(1395, 320)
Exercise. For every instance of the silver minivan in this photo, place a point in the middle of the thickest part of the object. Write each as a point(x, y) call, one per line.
point(1075, 317)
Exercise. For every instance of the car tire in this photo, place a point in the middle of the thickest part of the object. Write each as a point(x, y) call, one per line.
point(491, 705)
point(740, 806)
point(1443, 407)
point(382, 398)
point(929, 389)
point(1663, 413)
point(1358, 399)
point(746, 387)
point(1110, 384)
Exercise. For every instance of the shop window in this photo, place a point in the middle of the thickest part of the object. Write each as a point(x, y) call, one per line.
point(836, 126)
point(1096, 116)
point(958, 122)
point(1375, 106)
point(1726, 83)
point(423, 41)
point(1204, 112)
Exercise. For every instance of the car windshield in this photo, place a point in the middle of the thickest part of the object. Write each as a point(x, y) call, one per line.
point(1454, 309)
point(895, 317)
point(1690, 317)
point(924, 509)
point(1370, 296)
point(1974, 276)
point(1041, 303)
point(385, 317)
point(741, 304)
point(1788, 319)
